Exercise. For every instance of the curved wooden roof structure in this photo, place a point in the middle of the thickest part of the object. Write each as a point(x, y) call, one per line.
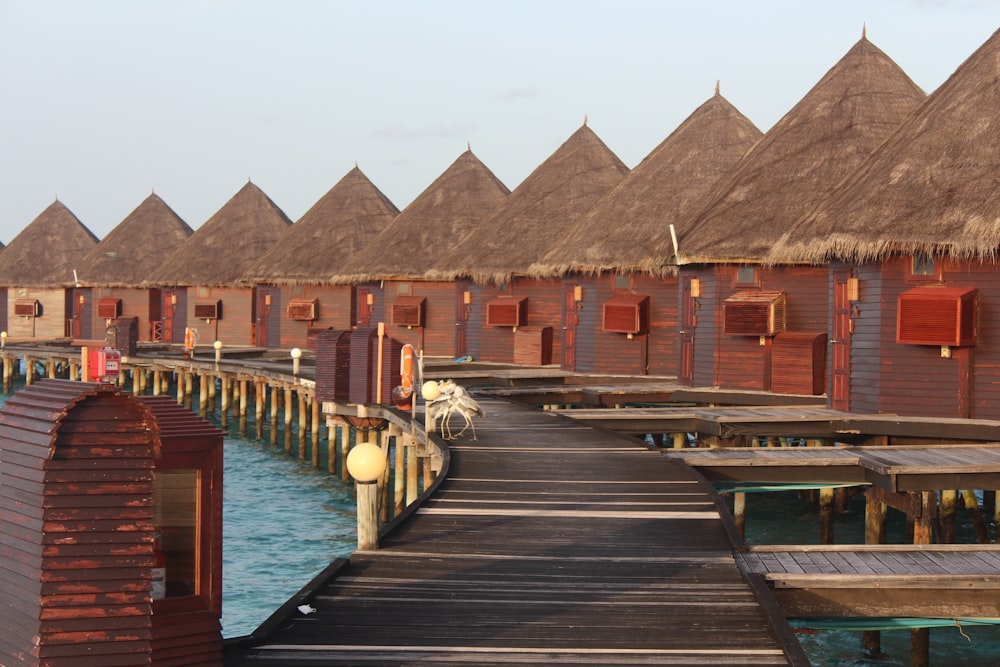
point(932, 187)
point(538, 213)
point(822, 139)
point(318, 246)
point(138, 244)
point(219, 252)
point(45, 253)
point(628, 229)
point(450, 209)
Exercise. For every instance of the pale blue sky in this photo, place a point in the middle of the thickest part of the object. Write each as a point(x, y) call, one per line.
point(104, 101)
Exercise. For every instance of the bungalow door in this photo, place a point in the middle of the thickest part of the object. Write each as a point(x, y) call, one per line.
point(841, 390)
point(570, 320)
point(685, 369)
point(461, 316)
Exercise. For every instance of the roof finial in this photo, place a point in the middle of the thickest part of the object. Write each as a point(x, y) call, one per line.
point(717, 86)
point(468, 145)
point(585, 120)
point(864, 30)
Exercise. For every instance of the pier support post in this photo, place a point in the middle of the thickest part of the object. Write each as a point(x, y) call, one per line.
point(740, 512)
point(274, 415)
point(243, 408)
point(972, 507)
point(288, 419)
point(314, 432)
point(303, 426)
point(826, 501)
point(949, 501)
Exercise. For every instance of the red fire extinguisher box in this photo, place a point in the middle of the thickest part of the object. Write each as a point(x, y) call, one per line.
point(105, 362)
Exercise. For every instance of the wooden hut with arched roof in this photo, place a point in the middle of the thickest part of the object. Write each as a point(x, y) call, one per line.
point(912, 239)
point(113, 271)
point(514, 313)
point(760, 327)
point(36, 272)
point(201, 281)
point(429, 314)
point(295, 293)
point(615, 260)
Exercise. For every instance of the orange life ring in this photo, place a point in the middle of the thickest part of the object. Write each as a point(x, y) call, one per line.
point(189, 337)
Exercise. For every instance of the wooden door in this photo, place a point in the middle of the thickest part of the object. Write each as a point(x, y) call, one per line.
point(685, 369)
point(841, 389)
point(264, 303)
point(570, 321)
point(169, 305)
point(461, 316)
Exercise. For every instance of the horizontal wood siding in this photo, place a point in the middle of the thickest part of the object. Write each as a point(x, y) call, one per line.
point(588, 312)
point(545, 308)
point(52, 321)
point(664, 314)
point(475, 317)
point(985, 389)
point(437, 337)
point(235, 327)
point(914, 379)
point(706, 330)
point(866, 341)
point(135, 303)
point(335, 309)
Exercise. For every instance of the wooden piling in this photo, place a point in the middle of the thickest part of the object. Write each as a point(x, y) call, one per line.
point(224, 407)
point(288, 419)
point(303, 419)
point(259, 401)
point(411, 469)
point(243, 407)
point(203, 396)
point(875, 533)
point(181, 387)
point(826, 514)
point(274, 415)
point(345, 449)
point(315, 424)
point(949, 502)
point(399, 487)
point(972, 507)
point(740, 512)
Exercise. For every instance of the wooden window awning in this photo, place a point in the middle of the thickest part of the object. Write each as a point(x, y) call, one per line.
point(26, 307)
point(627, 313)
point(109, 308)
point(302, 309)
point(754, 313)
point(937, 316)
point(208, 310)
point(408, 311)
point(507, 311)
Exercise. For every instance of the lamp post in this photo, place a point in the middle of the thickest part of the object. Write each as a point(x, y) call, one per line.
point(296, 357)
point(366, 462)
point(218, 352)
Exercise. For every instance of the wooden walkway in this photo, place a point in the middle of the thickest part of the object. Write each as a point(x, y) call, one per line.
point(549, 542)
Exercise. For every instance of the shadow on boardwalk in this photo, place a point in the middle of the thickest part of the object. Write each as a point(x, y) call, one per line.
point(549, 542)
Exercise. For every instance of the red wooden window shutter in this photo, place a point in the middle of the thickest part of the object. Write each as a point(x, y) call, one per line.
point(627, 313)
point(757, 313)
point(109, 308)
point(507, 311)
point(303, 309)
point(937, 316)
point(408, 311)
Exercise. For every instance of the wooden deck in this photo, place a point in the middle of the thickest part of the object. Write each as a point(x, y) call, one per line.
point(930, 581)
point(549, 542)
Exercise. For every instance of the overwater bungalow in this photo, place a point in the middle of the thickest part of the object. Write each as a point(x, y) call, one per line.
point(516, 314)
point(296, 295)
point(617, 261)
point(40, 298)
point(200, 283)
point(432, 315)
point(911, 238)
point(111, 274)
point(758, 326)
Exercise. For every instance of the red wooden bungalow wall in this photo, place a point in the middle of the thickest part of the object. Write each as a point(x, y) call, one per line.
point(917, 379)
point(234, 326)
point(545, 305)
point(334, 308)
point(596, 350)
point(134, 302)
point(740, 361)
point(443, 329)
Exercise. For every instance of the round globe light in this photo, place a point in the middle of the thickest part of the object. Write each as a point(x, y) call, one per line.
point(217, 345)
point(366, 462)
point(430, 390)
point(296, 353)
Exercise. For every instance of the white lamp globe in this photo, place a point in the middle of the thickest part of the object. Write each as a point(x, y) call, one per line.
point(430, 390)
point(366, 462)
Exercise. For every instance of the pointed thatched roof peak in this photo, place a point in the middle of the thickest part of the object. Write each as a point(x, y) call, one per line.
point(219, 252)
point(321, 243)
point(539, 212)
point(931, 187)
point(138, 244)
point(824, 137)
point(45, 253)
point(623, 231)
point(445, 213)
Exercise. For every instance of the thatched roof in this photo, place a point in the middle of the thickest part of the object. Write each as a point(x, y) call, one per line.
point(539, 212)
point(219, 252)
point(845, 116)
point(627, 229)
point(45, 253)
point(443, 215)
point(138, 244)
point(325, 239)
point(934, 186)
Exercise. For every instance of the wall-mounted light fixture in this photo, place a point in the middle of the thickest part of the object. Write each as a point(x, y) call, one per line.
point(83, 299)
point(695, 288)
point(853, 289)
point(173, 299)
point(467, 298)
point(578, 293)
point(267, 299)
